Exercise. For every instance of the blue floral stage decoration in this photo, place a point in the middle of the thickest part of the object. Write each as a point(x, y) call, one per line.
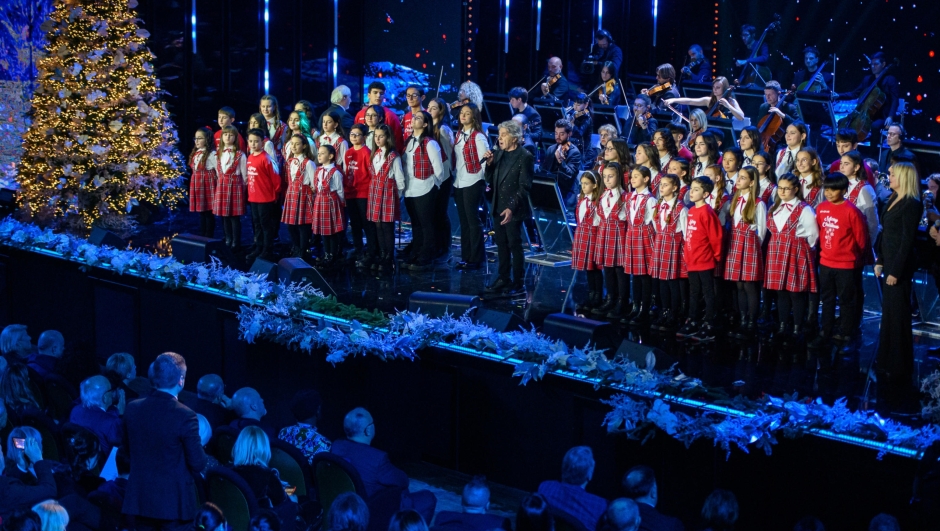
point(642, 402)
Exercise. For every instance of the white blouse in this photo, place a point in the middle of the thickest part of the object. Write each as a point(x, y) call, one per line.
point(309, 171)
point(211, 160)
point(227, 157)
point(608, 201)
point(665, 209)
point(419, 187)
point(867, 204)
point(335, 183)
point(760, 215)
point(331, 139)
point(806, 226)
point(395, 172)
point(636, 201)
point(464, 177)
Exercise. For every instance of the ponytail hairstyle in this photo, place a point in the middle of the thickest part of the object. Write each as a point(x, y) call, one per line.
point(277, 111)
point(817, 172)
point(719, 182)
point(750, 206)
point(209, 145)
point(794, 181)
point(652, 154)
point(594, 177)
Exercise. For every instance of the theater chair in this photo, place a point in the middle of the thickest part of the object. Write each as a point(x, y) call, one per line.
point(232, 494)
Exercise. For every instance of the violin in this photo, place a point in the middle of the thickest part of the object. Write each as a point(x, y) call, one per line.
point(652, 91)
point(459, 103)
point(687, 70)
point(609, 87)
point(715, 110)
point(553, 79)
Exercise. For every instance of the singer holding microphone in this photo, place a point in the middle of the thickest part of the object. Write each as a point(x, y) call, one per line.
point(508, 171)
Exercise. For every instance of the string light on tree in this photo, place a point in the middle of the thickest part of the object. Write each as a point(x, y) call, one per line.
point(101, 140)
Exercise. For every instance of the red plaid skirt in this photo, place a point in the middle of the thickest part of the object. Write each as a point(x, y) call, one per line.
point(384, 204)
point(202, 190)
point(298, 203)
point(585, 234)
point(667, 262)
point(611, 240)
point(327, 213)
point(639, 239)
point(230, 193)
point(790, 260)
point(744, 260)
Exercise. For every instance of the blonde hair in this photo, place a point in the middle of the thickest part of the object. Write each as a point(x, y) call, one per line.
point(906, 174)
point(53, 516)
point(252, 447)
point(719, 184)
point(750, 206)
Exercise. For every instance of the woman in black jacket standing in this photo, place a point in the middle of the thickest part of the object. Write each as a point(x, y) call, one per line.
point(895, 250)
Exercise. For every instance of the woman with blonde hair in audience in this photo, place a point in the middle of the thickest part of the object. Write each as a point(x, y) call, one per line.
point(251, 455)
point(54, 517)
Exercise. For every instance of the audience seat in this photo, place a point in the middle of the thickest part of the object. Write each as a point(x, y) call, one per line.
point(222, 442)
point(60, 397)
point(232, 494)
point(566, 522)
point(334, 476)
point(292, 467)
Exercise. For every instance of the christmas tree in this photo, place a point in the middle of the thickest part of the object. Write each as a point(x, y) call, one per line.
point(101, 140)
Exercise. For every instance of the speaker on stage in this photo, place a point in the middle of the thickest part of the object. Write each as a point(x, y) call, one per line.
point(296, 270)
point(264, 267)
point(499, 321)
point(436, 304)
point(191, 249)
point(101, 236)
point(578, 331)
point(645, 356)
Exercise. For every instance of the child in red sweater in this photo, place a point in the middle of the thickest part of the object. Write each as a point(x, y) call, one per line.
point(702, 252)
point(842, 240)
point(357, 162)
point(264, 188)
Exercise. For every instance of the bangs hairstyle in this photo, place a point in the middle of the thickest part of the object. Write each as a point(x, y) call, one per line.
point(817, 172)
point(836, 181)
point(618, 169)
point(644, 172)
point(260, 133)
point(794, 182)
point(769, 172)
point(389, 140)
point(252, 447)
point(669, 141)
point(753, 134)
point(277, 110)
point(594, 178)
point(750, 205)
point(305, 149)
point(672, 177)
point(908, 183)
point(209, 142)
point(228, 129)
point(260, 120)
point(699, 115)
point(652, 154)
point(477, 118)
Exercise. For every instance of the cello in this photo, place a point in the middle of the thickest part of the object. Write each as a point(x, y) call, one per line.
point(771, 128)
point(868, 106)
point(758, 75)
point(812, 84)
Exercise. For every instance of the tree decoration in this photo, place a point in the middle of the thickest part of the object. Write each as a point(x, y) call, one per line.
point(101, 141)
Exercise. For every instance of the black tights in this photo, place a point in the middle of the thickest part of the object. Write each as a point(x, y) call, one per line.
point(795, 300)
point(643, 290)
point(299, 236)
point(332, 243)
point(207, 224)
point(618, 284)
point(670, 292)
point(385, 234)
point(595, 281)
point(232, 226)
point(749, 298)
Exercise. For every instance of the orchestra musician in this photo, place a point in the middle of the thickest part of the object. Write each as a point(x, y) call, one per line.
point(644, 125)
point(609, 93)
point(698, 122)
point(823, 80)
point(582, 122)
point(888, 84)
point(555, 86)
point(518, 98)
point(665, 76)
point(563, 159)
point(774, 104)
point(760, 57)
point(605, 50)
point(527, 142)
point(719, 102)
point(699, 69)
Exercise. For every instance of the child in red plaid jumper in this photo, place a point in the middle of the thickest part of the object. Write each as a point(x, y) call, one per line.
point(229, 199)
point(227, 118)
point(203, 162)
point(328, 204)
point(298, 202)
point(584, 237)
point(610, 218)
point(385, 191)
point(641, 212)
point(276, 129)
point(334, 135)
point(744, 264)
point(666, 262)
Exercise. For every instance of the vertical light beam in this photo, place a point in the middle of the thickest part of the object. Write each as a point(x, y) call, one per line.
point(335, 38)
point(267, 54)
point(600, 14)
point(193, 31)
point(655, 17)
point(506, 29)
point(538, 26)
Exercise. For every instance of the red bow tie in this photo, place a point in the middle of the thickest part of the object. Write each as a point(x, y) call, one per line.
point(788, 206)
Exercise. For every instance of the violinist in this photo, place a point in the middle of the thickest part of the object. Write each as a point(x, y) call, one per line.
point(605, 50)
point(888, 84)
point(721, 103)
point(665, 86)
point(518, 98)
point(822, 81)
point(644, 125)
point(581, 121)
point(774, 104)
point(555, 86)
point(699, 69)
point(609, 93)
point(563, 159)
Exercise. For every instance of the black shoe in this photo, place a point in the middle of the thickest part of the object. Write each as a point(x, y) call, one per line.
point(498, 285)
point(468, 266)
point(689, 328)
point(605, 307)
point(657, 324)
point(641, 317)
point(421, 265)
point(817, 342)
point(515, 289)
point(781, 334)
point(797, 336)
point(365, 262)
point(617, 311)
point(586, 305)
point(634, 311)
point(705, 333)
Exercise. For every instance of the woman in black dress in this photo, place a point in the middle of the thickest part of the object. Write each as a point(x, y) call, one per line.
point(895, 260)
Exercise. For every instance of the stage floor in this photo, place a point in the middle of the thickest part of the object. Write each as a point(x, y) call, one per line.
point(749, 367)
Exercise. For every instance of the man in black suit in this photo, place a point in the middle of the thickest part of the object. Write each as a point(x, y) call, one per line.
point(475, 502)
point(165, 451)
point(374, 467)
point(563, 160)
point(210, 401)
point(509, 173)
point(810, 65)
point(640, 485)
point(249, 406)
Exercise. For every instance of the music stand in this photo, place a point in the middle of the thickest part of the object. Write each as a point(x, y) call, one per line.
point(816, 109)
point(551, 221)
point(750, 100)
point(497, 108)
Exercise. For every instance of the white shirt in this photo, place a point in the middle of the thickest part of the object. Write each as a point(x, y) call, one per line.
point(370, 140)
point(227, 156)
point(665, 209)
point(782, 167)
point(395, 172)
point(335, 183)
point(269, 149)
point(609, 200)
point(419, 187)
point(806, 226)
point(696, 170)
point(464, 177)
point(309, 171)
point(636, 201)
point(805, 184)
point(760, 215)
point(331, 139)
point(867, 204)
point(211, 160)
point(664, 161)
point(730, 180)
point(272, 129)
point(747, 160)
point(583, 210)
point(446, 142)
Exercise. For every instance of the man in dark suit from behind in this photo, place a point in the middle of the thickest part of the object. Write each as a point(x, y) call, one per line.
point(210, 401)
point(48, 358)
point(374, 467)
point(165, 451)
point(639, 483)
point(568, 495)
point(475, 503)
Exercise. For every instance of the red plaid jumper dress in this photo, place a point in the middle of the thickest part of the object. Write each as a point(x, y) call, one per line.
point(585, 234)
point(202, 184)
point(383, 193)
point(230, 193)
point(280, 137)
point(767, 195)
point(868, 255)
point(813, 197)
point(327, 205)
point(789, 258)
point(744, 260)
point(654, 184)
point(298, 203)
point(667, 262)
point(639, 238)
point(611, 240)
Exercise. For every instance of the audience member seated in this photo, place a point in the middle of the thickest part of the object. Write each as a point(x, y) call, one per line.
point(407, 520)
point(164, 448)
point(97, 414)
point(210, 401)
point(306, 409)
point(568, 495)
point(265, 520)
point(48, 356)
point(110, 494)
point(720, 511)
point(209, 518)
point(15, 343)
point(205, 436)
point(251, 455)
point(20, 464)
point(533, 514)
point(249, 407)
point(640, 485)
point(123, 367)
point(348, 513)
point(15, 494)
point(475, 502)
point(85, 459)
point(25, 520)
point(53, 516)
point(16, 393)
point(373, 465)
point(3, 366)
point(5, 424)
point(623, 515)
point(884, 522)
